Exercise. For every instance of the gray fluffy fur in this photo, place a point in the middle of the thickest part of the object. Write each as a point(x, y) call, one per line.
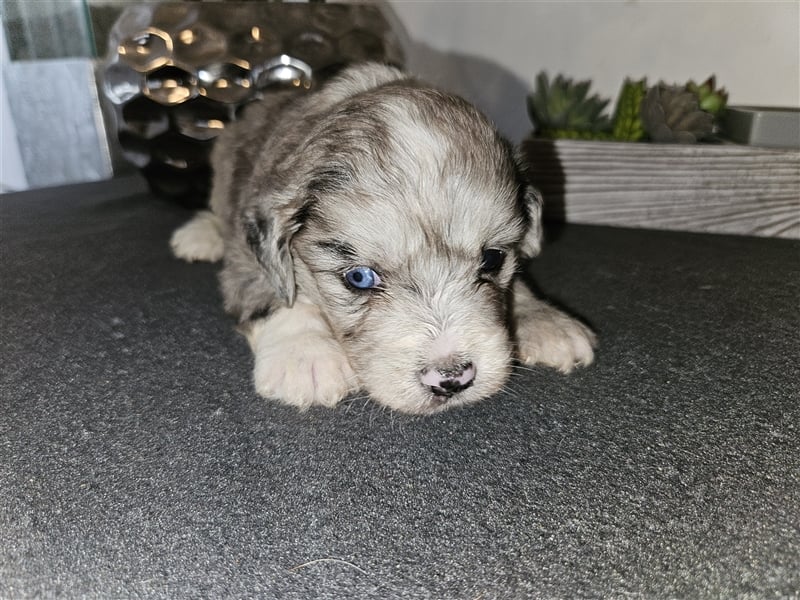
point(377, 169)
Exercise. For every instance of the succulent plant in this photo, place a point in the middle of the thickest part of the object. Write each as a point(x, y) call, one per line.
point(673, 114)
point(711, 99)
point(563, 108)
point(627, 123)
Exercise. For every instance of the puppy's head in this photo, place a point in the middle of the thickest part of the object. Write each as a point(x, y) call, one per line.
point(409, 225)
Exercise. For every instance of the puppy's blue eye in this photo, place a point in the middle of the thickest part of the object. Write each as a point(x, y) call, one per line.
point(362, 278)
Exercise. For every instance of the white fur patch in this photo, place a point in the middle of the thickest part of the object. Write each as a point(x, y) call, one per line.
point(444, 345)
point(297, 360)
point(546, 336)
point(199, 239)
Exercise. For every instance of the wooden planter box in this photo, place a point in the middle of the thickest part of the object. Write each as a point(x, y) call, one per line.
point(720, 188)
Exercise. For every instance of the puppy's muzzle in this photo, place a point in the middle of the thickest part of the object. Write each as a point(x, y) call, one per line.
point(446, 382)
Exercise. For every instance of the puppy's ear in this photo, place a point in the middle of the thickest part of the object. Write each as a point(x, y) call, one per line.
point(531, 200)
point(271, 223)
point(269, 236)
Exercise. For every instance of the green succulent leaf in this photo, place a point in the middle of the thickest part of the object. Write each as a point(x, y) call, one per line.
point(627, 123)
point(710, 98)
point(563, 105)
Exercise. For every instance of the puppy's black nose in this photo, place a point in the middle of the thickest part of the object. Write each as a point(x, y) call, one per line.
point(444, 382)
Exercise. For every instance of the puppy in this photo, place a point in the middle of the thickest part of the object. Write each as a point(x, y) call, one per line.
point(370, 234)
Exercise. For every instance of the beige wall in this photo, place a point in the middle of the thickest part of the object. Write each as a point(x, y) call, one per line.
point(753, 47)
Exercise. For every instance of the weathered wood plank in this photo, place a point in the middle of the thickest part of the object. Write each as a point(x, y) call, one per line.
point(711, 188)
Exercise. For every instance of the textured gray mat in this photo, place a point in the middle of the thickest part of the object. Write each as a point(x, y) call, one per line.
point(135, 461)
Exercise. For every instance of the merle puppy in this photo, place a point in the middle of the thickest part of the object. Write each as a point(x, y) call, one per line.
point(370, 234)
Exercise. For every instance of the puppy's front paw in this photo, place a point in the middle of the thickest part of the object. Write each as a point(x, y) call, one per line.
point(307, 370)
point(549, 337)
point(199, 239)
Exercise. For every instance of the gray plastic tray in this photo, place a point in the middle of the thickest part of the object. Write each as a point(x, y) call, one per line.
point(762, 126)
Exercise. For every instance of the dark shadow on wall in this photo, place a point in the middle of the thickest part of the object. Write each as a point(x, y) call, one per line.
point(545, 170)
point(496, 91)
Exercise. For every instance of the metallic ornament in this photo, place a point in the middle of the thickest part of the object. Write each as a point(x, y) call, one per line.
point(177, 72)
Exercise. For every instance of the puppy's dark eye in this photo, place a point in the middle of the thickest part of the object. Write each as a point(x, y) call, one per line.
point(492, 261)
point(362, 278)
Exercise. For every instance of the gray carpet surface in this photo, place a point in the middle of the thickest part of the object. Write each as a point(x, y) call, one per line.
point(137, 462)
